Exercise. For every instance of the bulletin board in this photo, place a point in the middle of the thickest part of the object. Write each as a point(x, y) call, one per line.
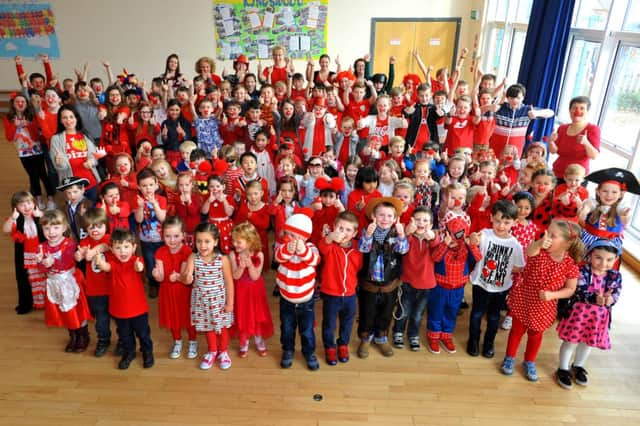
point(254, 27)
point(27, 30)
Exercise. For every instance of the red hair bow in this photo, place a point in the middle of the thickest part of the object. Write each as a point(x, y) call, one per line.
point(335, 184)
point(12, 95)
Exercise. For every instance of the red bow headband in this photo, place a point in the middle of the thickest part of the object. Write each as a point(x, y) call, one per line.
point(12, 95)
point(335, 184)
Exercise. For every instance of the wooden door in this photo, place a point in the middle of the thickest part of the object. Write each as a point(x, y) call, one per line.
point(436, 39)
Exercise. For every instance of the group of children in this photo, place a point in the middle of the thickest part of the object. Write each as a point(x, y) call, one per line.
point(381, 205)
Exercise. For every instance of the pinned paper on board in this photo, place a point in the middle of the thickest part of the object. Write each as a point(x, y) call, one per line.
point(228, 27)
point(225, 12)
point(267, 22)
point(294, 43)
point(263, 51)
point(434, 42)
point(395, 42)
point(254, 20)
point(305, 43)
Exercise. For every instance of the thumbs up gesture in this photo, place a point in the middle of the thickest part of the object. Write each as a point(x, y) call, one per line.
point(138, 266)
point(546, 240)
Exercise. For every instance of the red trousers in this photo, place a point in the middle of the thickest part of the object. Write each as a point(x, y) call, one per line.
point(534, 340)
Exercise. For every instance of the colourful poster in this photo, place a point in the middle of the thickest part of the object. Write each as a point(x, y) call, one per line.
point(253, 27)
point(27, 30)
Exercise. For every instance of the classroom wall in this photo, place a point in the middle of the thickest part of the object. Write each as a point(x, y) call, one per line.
point(140, 34)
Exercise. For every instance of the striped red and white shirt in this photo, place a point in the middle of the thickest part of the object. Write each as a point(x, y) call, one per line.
point(296, 276)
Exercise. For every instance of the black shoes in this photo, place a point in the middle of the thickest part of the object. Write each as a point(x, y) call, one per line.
point(488, 351)
point(473, 347)
point(125, 361)
point(563, 377)
point(101, 348)
point(580, 375)
point(147, 359)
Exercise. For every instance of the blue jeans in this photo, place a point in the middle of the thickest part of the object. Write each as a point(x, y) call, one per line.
point(138, 325)
point(442, 309)
point(491, 303)
point(411, 305)
point(149, 256)
point(300, 316)
point(99, 308)
point(337, 307)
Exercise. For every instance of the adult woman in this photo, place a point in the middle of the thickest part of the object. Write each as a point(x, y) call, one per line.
point(205, 68)
point(323, 76)
point(73, 153)
point(172, 73)
point(577, 142)
point(280, 69)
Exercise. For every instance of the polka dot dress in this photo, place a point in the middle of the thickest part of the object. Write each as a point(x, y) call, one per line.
point(541, 273)
point(525, 234)
point(209, 296)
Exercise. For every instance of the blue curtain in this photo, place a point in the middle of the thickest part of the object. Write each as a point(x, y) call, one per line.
point(543, 58)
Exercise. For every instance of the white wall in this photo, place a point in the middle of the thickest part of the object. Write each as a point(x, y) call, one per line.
point(139, 34)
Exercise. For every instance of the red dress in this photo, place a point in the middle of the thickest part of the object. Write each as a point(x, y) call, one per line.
point(525, 234)
point(542, 214)
point(251, 310)
point(174, 299)
point(65, 302)
point(219, 217)
point(541, 273)
point(261, 220)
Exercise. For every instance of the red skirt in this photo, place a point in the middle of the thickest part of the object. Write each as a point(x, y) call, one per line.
point(174, 305)
point(73, 318)
point(224, 226)
point(251, 310)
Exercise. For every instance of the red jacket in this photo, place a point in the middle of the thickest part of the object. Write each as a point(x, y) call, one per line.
point(340, 270)
point(417, 264)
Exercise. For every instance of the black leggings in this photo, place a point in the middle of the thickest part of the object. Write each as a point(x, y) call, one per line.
point(35, 168)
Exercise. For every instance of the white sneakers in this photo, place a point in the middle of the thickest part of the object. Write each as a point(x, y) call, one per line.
point(192, 352)
point(207, 360)
point(224, 360)
point(507, 322)
point(176, 352)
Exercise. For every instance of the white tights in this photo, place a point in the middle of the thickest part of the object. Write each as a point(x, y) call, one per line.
point(566, 351)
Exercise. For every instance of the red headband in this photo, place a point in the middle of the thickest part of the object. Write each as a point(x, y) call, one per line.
point(13, 95)
point(622, 185)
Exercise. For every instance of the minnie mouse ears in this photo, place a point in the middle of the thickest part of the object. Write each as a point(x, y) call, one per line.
point(335, 184)
point(624, 178)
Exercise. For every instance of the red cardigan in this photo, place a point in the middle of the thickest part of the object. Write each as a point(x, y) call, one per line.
point(340, 270)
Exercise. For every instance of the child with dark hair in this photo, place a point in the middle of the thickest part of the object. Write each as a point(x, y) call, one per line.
point(492, 276)
point(364, 190)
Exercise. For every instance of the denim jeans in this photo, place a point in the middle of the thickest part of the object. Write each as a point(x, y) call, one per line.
point(411, 305)
point(442, 308)
point(138, 325)
point(302, 317)
point(99, 307)
point(489, 303)
point(149, 256)
point(337, 307)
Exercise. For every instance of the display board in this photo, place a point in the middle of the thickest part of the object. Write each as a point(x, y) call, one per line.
point(27, 30)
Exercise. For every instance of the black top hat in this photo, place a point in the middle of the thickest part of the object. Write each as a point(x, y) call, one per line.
point(627, 179)
point(72, 180)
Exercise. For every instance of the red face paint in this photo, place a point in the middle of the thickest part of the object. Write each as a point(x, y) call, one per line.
point(122, 168)
point(457, 203)
point(147, 148)
point(508, 158)
point(541, 188)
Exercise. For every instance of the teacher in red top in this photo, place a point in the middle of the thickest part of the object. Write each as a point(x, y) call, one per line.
point(577, 142)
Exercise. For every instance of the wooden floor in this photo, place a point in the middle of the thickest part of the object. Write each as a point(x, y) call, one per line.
point(40, 384)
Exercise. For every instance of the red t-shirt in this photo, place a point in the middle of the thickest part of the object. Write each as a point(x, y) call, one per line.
point(126, 298)
point(277, 74)
point(459, 134)
point(98, 283)
point(484, 130)
point(78, 154)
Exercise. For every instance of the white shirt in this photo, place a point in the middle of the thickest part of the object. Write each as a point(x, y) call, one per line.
point(499, 257)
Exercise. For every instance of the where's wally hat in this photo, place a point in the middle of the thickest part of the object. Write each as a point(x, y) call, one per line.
point(624, 178)
point(72, 180)
point(299, 224)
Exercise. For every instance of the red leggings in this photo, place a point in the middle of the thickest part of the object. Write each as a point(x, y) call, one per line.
point(534, 341)
point(218, 342)
point(177, 333)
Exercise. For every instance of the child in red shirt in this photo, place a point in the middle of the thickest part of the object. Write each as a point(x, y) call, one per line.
point(187, 206)
point(97, 283)
point(342, 261)
point(326, 207)
point(461, 126)
point(127, 301)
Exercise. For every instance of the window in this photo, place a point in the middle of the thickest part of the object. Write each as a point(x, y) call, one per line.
point(506, 30)
point(581, 66)
point(515, 56)
point(621, 114)
point(591, 14)
point(632, 17)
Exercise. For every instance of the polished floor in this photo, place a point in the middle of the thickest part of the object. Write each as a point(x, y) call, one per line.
point(41, 384)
